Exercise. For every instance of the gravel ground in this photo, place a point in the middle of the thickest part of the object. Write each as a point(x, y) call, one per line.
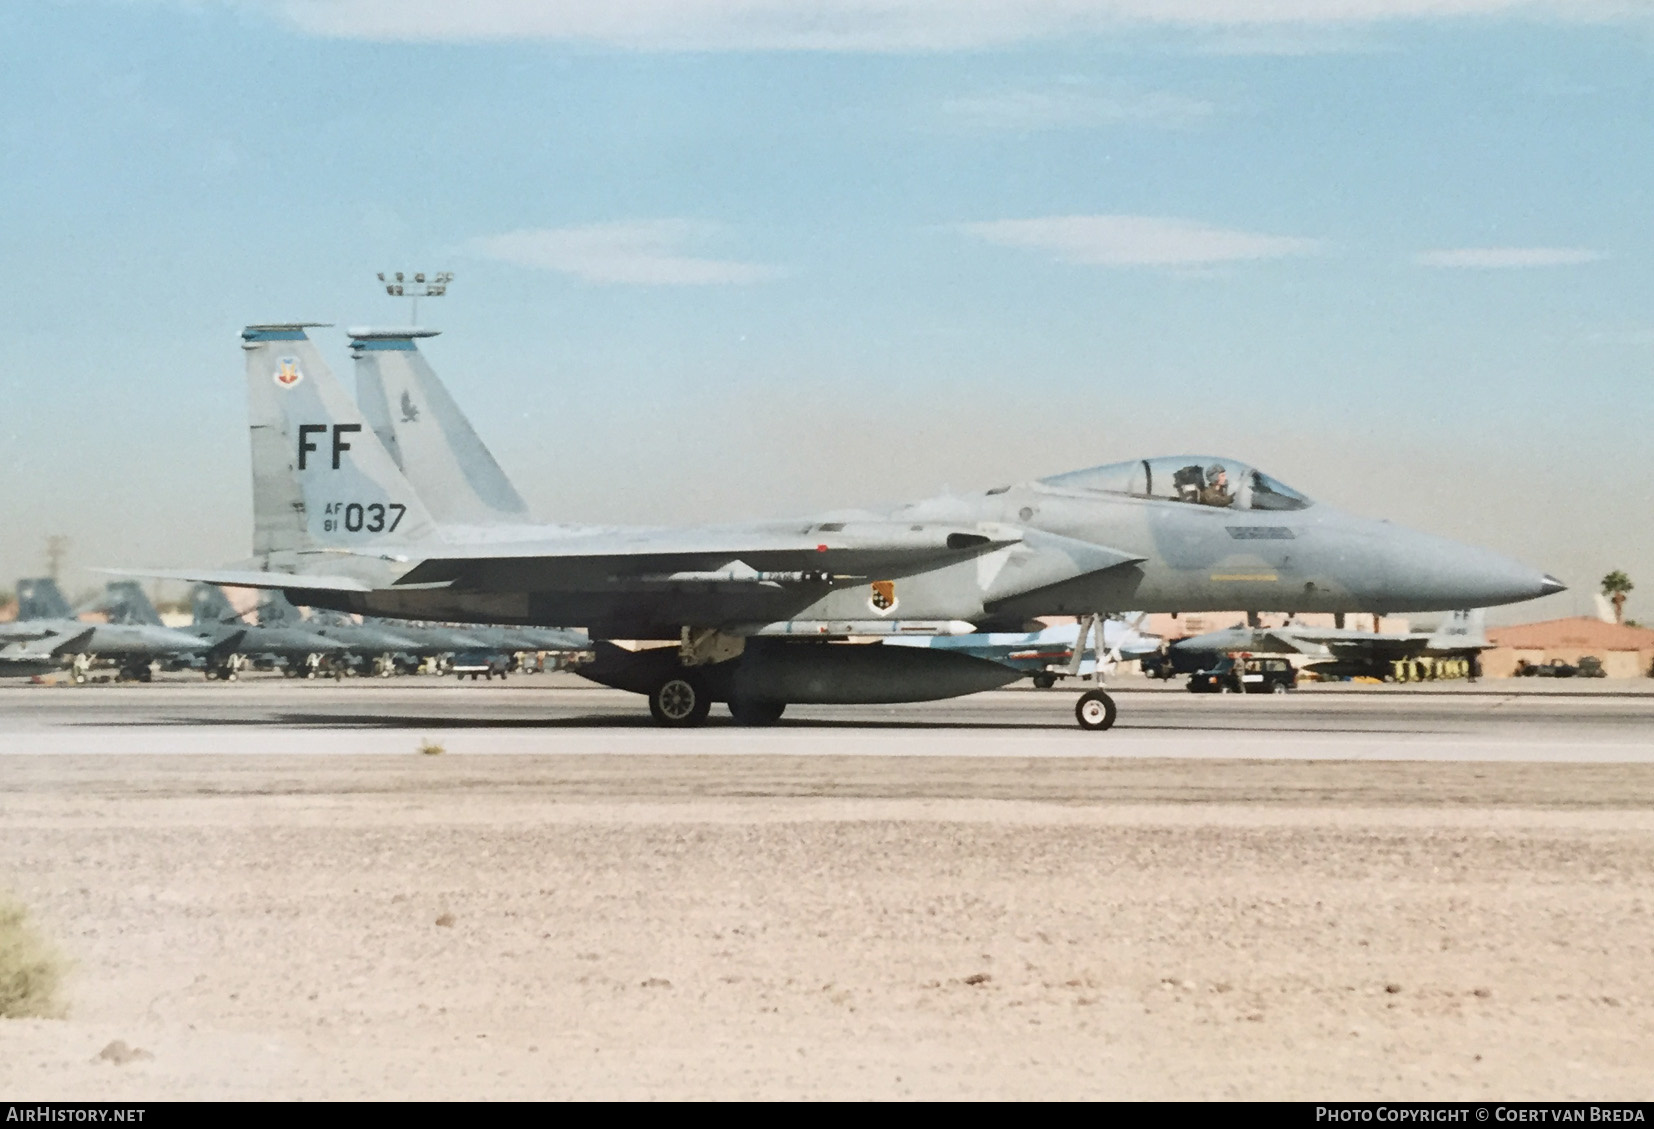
point(859, 927)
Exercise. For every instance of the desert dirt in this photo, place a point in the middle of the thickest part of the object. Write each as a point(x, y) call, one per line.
point(857, 927)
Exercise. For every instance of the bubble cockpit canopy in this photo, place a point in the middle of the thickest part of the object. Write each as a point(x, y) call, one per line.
point(1196, 479)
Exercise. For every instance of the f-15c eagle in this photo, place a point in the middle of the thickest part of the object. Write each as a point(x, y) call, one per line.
point(397, 509)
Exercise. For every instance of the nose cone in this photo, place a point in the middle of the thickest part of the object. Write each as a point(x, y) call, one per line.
point(1428, 573)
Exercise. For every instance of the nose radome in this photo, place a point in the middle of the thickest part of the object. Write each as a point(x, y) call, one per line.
point(1433, 573)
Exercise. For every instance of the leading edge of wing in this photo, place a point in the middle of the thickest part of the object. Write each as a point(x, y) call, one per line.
point(834, 548)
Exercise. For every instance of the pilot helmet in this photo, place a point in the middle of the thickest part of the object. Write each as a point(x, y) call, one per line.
point(1213, 472)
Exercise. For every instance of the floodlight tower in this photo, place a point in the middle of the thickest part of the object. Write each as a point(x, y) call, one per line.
point(57, 547)
point(416, 285)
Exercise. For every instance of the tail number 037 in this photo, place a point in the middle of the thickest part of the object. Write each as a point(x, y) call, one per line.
point(354, 517)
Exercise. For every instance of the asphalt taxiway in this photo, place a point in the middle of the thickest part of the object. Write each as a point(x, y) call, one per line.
point(1597, 722)
point(267, 889)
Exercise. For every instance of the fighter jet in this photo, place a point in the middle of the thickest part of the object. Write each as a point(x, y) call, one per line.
point(761, 612)
point(1349, 653)
point(234, 641)
point(1049, 653)
point(132, 648)
point(360, 645)
point(27, 651)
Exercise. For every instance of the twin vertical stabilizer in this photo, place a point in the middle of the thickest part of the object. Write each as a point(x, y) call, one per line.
point(321, 478)
point(427, 434)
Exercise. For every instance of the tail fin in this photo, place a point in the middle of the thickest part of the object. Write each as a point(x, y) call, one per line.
point(124, 601)
point(426, 432)
point(321, 479)
point(39, 597)
point(276, 610)
point(1461, 630)
point(210, 607)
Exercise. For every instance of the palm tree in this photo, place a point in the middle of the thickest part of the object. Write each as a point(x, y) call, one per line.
point(1616, 585)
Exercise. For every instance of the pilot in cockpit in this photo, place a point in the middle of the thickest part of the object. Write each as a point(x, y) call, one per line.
point(1216, 490)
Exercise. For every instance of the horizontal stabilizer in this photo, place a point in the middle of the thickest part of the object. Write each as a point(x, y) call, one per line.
point(248, 578)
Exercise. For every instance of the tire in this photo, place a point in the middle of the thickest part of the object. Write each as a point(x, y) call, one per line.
point(1278, 688)
point(679, 702)
point(756, 713)
point(1095, 710)
point(1045, 680)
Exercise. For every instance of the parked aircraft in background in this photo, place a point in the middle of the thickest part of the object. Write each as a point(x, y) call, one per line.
point(1343, 653)
point(230, 640)
point(27, 650)
point(131, 648)
point(383, 642)
point(1048, 654)
point(364, 646)
point(759, 610)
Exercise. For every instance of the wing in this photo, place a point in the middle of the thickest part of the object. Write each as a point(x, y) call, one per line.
point(774, 556)
point(48, 647)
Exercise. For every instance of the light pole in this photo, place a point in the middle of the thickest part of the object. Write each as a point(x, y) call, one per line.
point(57, 547)
point(416, 285)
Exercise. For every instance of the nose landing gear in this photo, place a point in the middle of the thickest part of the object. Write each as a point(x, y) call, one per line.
point(1095, 710)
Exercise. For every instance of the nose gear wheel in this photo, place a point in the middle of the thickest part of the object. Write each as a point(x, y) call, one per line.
point(1094, 710)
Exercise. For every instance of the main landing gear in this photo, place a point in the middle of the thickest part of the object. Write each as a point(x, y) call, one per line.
point(680, 701)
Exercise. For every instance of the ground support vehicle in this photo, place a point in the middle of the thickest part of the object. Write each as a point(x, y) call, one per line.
point(1245, 674)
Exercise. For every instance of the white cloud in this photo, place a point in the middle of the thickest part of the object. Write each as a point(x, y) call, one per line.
point(1027, 111)
point(1506, 258)
point(1122, 241)
point(851, 25)
point(641, 253)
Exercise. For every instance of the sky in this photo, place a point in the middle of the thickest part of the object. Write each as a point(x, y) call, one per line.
point(720, 259)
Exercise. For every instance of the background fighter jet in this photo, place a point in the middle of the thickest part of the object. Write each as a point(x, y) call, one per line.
point(1048, 654)
point(131, 647)
point(26, 651)
point(234, 641)
point(754, 607)
point(362, 645)
point(1348, 653)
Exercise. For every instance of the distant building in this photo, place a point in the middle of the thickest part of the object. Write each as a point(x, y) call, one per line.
point(1168, 625)
point(1626, 652)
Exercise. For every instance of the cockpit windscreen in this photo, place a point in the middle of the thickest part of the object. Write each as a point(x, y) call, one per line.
point(1195, 479)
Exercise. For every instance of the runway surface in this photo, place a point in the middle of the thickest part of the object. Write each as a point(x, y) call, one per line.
point(1382, 895)
point(562, 714)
